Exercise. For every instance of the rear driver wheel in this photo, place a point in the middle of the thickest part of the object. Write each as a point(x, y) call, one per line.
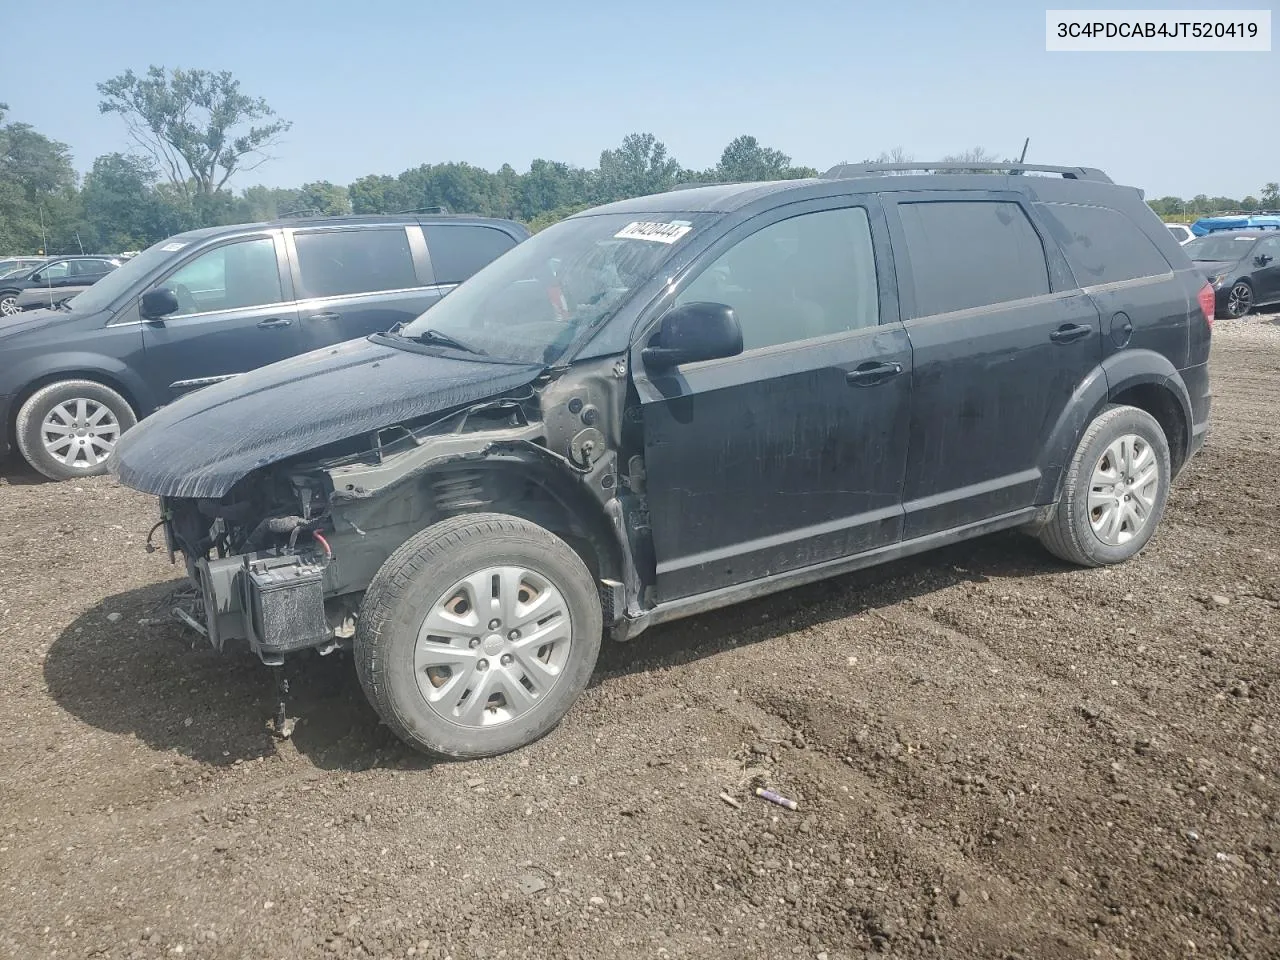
point(477, 635)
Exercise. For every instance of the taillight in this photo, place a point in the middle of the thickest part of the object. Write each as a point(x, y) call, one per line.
point(1207, 304)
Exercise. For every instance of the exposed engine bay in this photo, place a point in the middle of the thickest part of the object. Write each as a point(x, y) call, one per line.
point(282, 560)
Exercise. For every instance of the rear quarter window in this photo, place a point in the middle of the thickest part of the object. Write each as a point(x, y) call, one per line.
point(458, 249)
point(1102, 245)
point(971, 253)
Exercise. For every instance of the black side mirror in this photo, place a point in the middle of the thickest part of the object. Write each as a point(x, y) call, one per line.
point(158, 303)
point(1262, 259)
point(692, 332)
point(36, 278)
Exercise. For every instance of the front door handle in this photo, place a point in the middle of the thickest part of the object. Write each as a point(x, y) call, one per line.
point(873, 372)
point(274, 322)
point(1070, 332)
point(322, 316)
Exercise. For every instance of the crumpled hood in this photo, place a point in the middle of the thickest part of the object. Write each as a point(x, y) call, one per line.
point(201, 444)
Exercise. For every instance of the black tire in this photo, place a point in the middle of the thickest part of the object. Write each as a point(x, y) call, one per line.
point(8, 304)
point(1069, 533)
point(1239, 299)
point(31, 417)
point(416, 577)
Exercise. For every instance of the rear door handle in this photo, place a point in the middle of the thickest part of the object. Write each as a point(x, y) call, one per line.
point(1070, 332)
point(322, 316)
point(873, 372)
point(274, 322)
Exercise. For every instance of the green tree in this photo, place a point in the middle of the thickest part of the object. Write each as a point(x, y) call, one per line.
point(1250, 203)
point(120, 206)
point(1270, 195)
point(196, 124)
point(638, 167)
point(37, 190)
point(744, 160)
point(324, 198)
point(377, 193)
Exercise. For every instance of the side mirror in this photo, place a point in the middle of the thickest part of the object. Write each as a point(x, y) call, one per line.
point(158, 303)
point(36, 278)
point(692, 332)
point(1262, 259)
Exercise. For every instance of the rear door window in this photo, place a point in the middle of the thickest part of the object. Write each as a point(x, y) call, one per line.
point(460, 249)
point(971, 253)
point(1102, 245)
point(345, 262)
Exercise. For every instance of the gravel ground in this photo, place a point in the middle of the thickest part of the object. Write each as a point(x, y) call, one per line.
point(995, 756)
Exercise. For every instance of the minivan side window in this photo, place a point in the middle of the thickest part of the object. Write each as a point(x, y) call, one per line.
point(1102, 245)
point(971, 253)
point(235, 275)
point(807, 276)
point(345, 262)
point(460, 249)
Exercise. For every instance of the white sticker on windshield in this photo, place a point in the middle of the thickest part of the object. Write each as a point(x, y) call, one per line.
point(657, 232)
point(172, 247)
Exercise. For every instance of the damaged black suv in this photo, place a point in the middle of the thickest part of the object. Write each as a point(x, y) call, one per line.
point(669, 404)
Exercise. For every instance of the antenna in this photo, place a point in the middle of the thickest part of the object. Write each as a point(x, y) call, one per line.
point(79, 243)
point(1025, 143)
point(44, 238)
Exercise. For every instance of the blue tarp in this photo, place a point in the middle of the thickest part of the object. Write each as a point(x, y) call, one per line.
point(1213, 224)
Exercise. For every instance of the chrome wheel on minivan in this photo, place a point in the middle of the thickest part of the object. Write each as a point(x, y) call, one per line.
point(1239, 300)
point(70, 428)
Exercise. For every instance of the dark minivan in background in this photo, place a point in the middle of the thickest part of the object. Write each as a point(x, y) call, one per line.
point(209, 304)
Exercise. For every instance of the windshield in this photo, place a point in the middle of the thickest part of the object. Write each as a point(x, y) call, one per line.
point(1219, 248)
point(532, 303)
point(103, 293)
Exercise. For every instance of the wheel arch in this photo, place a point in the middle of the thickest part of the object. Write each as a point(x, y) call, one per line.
point(1139, 378)
point(95, 374)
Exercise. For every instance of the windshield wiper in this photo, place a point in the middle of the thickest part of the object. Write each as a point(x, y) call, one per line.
point(444, 339)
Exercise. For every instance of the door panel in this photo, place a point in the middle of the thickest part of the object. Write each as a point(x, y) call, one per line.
point(1000, 340)
point(791, 453)
point(990, 384)
point(760, 464)
point(235, 317)
point(1266, 278)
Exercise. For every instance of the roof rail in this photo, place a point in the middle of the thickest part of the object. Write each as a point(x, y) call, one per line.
point(442, 209)
point(695, 184)
point(299, 214)
point(842, 171)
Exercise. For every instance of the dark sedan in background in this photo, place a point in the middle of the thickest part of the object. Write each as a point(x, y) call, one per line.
point(1242, 265)
point(48, 284)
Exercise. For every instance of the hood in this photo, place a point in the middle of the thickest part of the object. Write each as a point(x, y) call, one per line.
point(201, 444)
point(33, 319)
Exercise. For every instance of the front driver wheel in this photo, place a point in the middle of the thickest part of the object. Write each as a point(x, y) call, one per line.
point(1115, 490)
point(68, 429)
point(477, 635)
point(9, 304)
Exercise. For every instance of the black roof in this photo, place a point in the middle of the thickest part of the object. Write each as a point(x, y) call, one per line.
point(730, 197)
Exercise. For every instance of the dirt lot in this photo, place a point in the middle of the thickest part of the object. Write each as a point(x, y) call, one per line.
point(996, 756)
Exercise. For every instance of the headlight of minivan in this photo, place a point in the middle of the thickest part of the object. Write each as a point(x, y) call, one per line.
point(1217, 278)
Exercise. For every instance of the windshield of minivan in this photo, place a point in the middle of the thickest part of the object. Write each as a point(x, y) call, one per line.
point(532, 303)
point(1219, 248)
point(118, 281)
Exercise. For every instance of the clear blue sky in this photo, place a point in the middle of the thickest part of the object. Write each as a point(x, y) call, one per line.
point(377, 86)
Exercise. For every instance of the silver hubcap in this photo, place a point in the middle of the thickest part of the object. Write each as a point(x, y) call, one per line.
point(9, 306)
point(493, 646)
point(80, 433)
point(1123, 490)
point(1239, 298)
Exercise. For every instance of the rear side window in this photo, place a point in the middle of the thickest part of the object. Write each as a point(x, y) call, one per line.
point(458, 250)
point(972, 254)
point(341, 263)
point(1102, 245)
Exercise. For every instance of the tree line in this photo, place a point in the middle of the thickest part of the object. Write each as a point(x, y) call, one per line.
point(195, 131)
